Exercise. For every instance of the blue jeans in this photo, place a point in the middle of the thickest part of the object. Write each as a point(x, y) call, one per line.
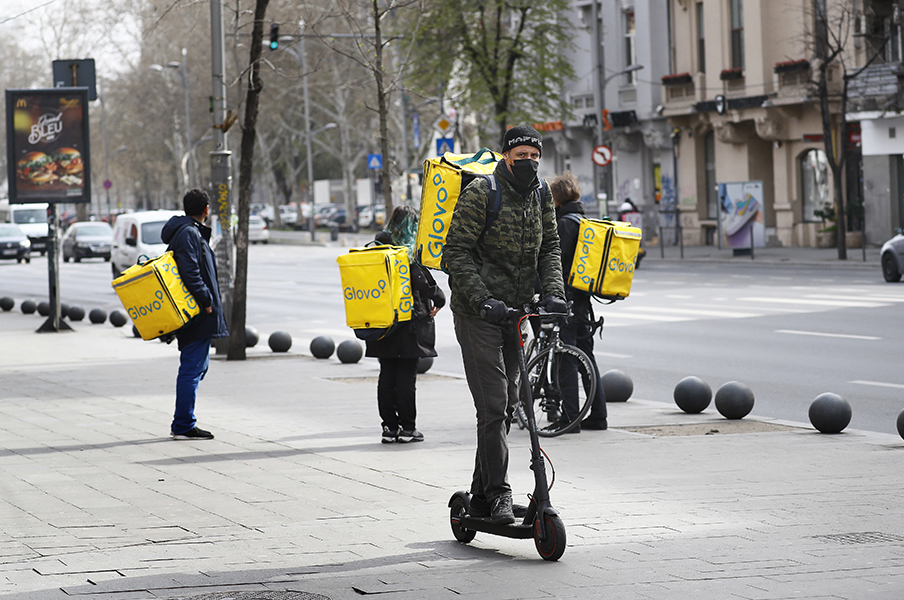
point(193, 362)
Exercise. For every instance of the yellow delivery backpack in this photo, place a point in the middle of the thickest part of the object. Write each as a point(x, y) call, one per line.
point(604, 258)
point(155, 298)
point(376, 285)
point(444, 178)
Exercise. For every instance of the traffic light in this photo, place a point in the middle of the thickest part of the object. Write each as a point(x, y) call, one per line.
point(274, 36)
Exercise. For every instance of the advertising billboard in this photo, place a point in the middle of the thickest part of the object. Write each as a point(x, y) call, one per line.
point(741, 214)
point(48, 154)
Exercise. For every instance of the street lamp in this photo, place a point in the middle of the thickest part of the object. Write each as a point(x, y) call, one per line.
point(182, 69)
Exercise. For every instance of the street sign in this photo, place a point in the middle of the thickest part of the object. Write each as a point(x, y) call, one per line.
point(107, 184)
point(443, 124)
point(602, 155)
point(444, 145)
point(374, 162)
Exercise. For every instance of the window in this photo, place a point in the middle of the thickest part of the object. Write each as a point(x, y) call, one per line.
point(630, 46)
point(701, 40)
point(737, 34)
point(814, 180)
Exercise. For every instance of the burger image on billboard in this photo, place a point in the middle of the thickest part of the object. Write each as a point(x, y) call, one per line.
point(36, 168)
point(69, 161)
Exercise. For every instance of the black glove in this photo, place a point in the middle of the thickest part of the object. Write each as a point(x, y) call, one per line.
point(553, 304)
point(492, 310)
point(439, 298)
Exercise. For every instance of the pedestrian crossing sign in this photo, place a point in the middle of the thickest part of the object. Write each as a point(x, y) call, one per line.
point(444, 145)
point(374, 162)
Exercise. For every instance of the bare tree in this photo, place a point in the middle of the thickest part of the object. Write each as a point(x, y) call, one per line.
point(365, 21)
point(236, 348)
point(830, 42)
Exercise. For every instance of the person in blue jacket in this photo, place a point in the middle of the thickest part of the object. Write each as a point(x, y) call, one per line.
point(188, 238)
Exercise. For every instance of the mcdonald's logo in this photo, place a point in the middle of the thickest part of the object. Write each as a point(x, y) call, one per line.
point(21, 103)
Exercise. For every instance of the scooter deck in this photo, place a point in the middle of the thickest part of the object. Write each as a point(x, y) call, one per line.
point(516, 530)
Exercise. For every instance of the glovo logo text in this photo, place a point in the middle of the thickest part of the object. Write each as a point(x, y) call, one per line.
point(585, 247)
point(353, 293)
point(143, 310)
point(617, 265)
point(405, 287)
point(438, 226)
point(186, 295)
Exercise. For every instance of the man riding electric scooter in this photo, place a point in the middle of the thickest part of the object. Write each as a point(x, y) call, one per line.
point(492, 269)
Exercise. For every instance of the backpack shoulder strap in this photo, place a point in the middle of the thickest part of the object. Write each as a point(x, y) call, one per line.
point(494, 205)
point(573, 217)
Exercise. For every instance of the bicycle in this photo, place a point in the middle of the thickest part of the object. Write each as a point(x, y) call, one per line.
point(556, 371)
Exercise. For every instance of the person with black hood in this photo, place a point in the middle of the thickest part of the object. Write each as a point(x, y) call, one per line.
point(188, 238)
point(491, 269)
point(579, 330)
point(408, 341)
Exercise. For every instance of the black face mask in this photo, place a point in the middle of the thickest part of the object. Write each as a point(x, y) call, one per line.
point(525, 171)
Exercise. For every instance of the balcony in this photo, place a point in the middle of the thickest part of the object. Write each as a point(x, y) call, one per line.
point(679, 90)
point(877, 87)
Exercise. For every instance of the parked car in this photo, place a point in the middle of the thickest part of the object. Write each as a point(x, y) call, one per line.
point(326, 213)
point(87, 239)
point(892, 257)
point(137, 235)
point(372, 217)
point(257, 230)
point(14, 244)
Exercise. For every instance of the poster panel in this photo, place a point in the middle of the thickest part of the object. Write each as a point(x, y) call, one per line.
point(741, 214)
point(48, 152)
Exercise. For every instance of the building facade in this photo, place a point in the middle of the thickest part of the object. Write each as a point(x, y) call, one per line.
point(742, 108)
point(615, 100)
point(877, 105)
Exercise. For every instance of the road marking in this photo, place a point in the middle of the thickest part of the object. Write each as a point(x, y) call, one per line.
point(730, 314)
point(897, 386)
point(832, 335)
point(863, 297)
point(611, 354)
point(815, 302)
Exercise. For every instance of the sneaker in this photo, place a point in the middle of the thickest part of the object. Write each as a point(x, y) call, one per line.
point(480, 509)
point(193, 434)
point(596, 424)
point(410, 435)
point(501, 512)
point(389, 435)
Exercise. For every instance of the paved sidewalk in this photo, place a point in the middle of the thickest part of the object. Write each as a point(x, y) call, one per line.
point(296, 495)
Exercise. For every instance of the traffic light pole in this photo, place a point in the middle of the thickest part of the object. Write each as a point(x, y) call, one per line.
point(221, 170)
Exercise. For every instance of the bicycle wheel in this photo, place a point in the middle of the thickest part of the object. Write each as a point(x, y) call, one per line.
point(562, 386)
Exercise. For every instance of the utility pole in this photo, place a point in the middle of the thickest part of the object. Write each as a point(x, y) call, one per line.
point(221, 170)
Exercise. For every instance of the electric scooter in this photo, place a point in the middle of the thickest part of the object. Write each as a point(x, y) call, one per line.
point(542, 521)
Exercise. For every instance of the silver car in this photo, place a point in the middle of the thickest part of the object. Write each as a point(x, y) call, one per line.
point(892, 254)
point(87, 239)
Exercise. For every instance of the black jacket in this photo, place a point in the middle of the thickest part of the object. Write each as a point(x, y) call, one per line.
point(568, 239)
point(415, 338)
point(188, 240)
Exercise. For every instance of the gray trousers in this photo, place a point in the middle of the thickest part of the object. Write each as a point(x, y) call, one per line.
point(491, 360)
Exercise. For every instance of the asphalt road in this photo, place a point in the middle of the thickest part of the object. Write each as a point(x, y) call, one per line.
point(788, 332)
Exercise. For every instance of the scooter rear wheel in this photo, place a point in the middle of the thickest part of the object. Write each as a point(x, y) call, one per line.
point(553, 546)
point(458, 509)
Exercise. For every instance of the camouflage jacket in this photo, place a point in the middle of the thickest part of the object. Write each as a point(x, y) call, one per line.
point(503, 262)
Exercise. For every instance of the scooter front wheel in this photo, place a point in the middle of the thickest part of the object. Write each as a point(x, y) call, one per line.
point(553, 546)
point(459, 509)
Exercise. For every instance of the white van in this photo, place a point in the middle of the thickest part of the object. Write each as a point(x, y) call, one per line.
point(31, 219)
point(137, 235)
